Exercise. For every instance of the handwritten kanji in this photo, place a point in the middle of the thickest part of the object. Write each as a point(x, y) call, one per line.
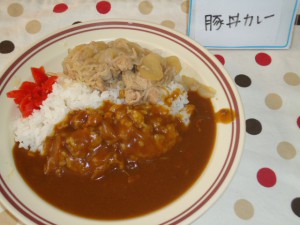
point(213, 20)
point(233, 20)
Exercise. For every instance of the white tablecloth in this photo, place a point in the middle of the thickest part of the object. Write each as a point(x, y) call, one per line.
point(266, 187)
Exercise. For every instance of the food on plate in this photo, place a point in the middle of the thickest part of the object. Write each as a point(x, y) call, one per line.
point(119, 126)
point(30, 95)
point(94, 141)
point(201, 89)
point(141, 73)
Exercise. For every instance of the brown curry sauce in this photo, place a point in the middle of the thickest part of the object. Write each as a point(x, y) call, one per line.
point(159, 182)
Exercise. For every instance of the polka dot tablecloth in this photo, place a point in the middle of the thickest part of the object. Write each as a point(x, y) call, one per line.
point(266, 187)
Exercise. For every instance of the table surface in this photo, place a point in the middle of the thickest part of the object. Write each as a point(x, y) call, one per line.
point(266, 186)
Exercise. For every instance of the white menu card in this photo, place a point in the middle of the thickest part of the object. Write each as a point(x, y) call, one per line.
point(242, 23)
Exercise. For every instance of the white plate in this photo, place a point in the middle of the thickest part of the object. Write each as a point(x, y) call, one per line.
point(197, 62)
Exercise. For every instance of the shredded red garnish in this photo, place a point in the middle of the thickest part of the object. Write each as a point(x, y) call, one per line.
point(30, 95)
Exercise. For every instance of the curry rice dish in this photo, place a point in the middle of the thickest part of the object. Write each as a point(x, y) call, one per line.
point(132, 134)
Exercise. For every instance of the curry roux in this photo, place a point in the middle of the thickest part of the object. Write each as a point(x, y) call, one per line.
point(156, 183)
point(225, 116)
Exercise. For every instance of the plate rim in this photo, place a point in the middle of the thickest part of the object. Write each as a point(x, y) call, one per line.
point(234, 162)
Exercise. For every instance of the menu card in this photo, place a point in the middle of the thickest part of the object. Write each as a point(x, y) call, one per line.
point(242, 23)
